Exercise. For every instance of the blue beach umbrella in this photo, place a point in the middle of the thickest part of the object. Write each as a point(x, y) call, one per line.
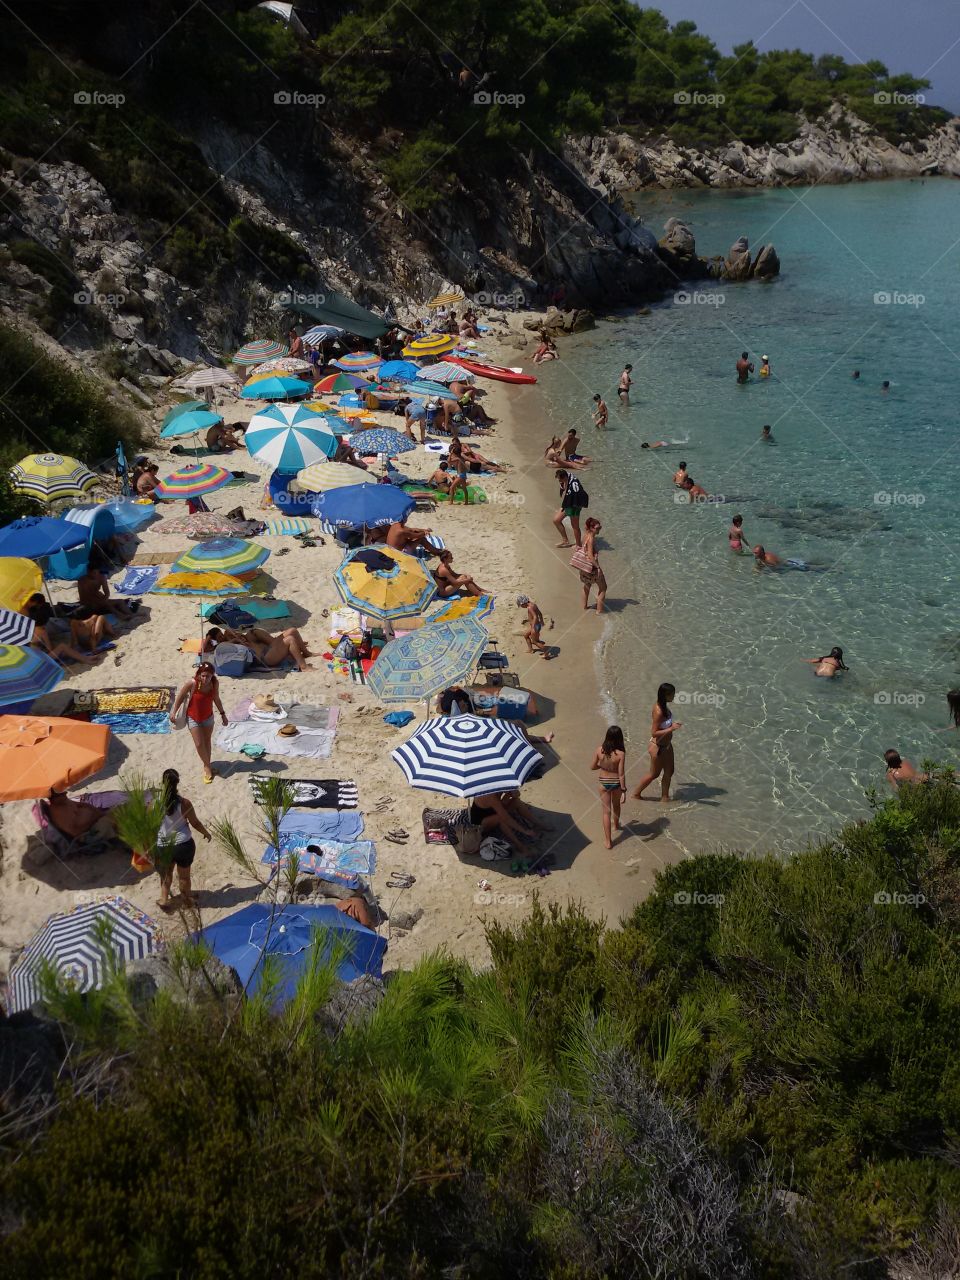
point(36, 536)
point(128, 516)
point(381, 440)
point(290, 438)
point(397, 369)
point(422, 663)
point(363, 506)
point(288, 935)
point(25, 674)
point(276, 389)
point(190, 423)
point(467, 756)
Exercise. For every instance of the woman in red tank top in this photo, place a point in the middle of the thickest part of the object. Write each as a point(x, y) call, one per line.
point(201, 695)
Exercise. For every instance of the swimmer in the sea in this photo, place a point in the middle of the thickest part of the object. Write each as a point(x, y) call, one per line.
point(680, 475)
point(829, 664)
point(900, 770)
point(764, 366)
point(765, 559)
point(765, 435)
point(744, 367)
point(655, 444)
point(695, 492)
point(885, 387)
point(736, 535)
point(855, 375)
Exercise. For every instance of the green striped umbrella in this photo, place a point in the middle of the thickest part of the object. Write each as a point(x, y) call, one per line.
point(235, 556)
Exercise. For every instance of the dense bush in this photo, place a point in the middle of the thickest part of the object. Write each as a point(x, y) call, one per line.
point(755, 1075)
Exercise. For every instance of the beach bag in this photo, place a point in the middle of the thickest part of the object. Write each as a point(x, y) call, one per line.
point(466, 840)
point(346, 649)
point(179, 721)
point(140, 862)
point(229, 614)
point(581, 561)
point(231, 660)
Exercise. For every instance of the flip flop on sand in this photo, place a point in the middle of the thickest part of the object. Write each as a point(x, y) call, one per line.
point(401, 880)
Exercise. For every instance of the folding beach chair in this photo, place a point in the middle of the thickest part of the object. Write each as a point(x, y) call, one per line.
point(492, 667)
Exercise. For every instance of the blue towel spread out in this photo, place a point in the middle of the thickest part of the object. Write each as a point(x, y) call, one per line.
point(123, 722)
point(138, 579)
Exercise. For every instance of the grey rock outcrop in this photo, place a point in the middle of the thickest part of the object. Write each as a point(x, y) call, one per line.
point(737, 264)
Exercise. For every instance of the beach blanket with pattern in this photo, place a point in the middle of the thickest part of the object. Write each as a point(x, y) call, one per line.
point(309, 744)
point(125, 722)
point(317, 857)
point(131, 701)
point(138, 580)
point(291, 525)
point(313, 793)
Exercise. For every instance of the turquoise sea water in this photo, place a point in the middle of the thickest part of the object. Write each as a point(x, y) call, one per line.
point(859, 482)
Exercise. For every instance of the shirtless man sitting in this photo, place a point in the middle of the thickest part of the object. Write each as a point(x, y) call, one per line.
point(569, 447)
point(220, 438)
point(402, 539)
point(93, 592)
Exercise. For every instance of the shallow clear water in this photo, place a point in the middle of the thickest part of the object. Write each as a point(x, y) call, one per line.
point(859, 482)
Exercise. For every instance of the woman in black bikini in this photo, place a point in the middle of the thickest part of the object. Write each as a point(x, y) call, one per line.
point(661, 745)
point(610, 760)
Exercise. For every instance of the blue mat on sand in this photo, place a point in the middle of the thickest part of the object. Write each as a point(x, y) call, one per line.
point(263, 610)
point(123, 722)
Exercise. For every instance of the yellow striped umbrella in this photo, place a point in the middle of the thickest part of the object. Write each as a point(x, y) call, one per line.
point(446, 299)
point(391, 591)
point(50, 476)
point(433, 344)
point(324, 476)
point(19, 579)
point(200, 584)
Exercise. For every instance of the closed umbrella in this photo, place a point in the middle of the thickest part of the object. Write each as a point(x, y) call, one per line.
point(466, 756)
point(384, 582)
point(233, 556)
point(382, 440)
point(246, 938)
point(324, 476)
point(422, 663)
point(35, 536)
point(19, 580)
point(193, 481)
point(260, 350)
point(51, 476)
point(80, 948)
point(194, 583)
point(25, 674)
point(362, 506)
point(15, 628)
point(208, 378)
point(289, 438)
point(433, 344)
point(358, 361)
point(40, 754)
point(277, 387)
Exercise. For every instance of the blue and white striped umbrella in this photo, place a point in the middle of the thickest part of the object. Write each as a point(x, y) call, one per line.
point(466, 756)
point(382, 440)
point(322, 333)
point(80, 947)
point(15, 628)
point(290, 437)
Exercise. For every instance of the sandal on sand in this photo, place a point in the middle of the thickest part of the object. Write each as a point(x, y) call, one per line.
point(401, 880)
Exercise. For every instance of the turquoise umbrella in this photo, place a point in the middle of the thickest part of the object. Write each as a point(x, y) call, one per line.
point(190, 423)
point(276, 389)
point(422, 663)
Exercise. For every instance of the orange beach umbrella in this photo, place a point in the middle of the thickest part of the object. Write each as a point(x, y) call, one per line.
point(40, 754)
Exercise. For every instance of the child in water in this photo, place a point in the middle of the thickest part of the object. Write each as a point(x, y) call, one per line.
point(764, 366)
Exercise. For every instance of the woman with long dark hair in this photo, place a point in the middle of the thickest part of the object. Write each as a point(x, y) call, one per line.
point(201, 694)
point(829, 664)
point(610, 760)
point(660, 747)
point(175, 845)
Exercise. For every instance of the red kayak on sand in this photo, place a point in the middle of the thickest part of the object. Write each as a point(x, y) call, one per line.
point(495, 371)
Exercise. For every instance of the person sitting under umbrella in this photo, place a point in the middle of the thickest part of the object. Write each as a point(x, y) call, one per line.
point(72, 818)
point(347, 454)
point(402, 539)
point(468, 326)
point(220, 438)
point(472, 409)
point(41, 614)
point(451, 583)
point(507, 815)
point(93, 593)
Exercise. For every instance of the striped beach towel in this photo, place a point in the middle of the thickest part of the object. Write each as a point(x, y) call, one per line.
point(291, 525)
point(313, 793)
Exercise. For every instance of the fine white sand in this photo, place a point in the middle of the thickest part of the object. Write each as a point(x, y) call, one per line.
point(508, 546)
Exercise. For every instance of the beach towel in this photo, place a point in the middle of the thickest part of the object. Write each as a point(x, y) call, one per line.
point(125, 722)
point(324, 857)
point(266, 610)
point(305, 715)
point(133, 700)
point(291, 525)
point(137, 580)
point(325, 826)
point(308, 744)
point(313, 793)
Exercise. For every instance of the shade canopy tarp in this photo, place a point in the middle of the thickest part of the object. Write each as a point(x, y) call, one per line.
point(343, 312)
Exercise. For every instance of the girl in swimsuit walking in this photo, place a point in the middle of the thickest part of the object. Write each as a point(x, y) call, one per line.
point(609, 760)
point(660, 748)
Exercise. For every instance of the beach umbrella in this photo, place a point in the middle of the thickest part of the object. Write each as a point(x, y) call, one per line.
point(444, 372)
point(335, 382)
point(384, 582)
point(324, 476)
point(382, 440)
point(193, 481)
point(40, 754)
point(35, 536)
point(322, 333)
point(446, 299)
point(464, 607)
point(420, 664)
point(190, 424)
point(208, 378)
point(466, 756)
point(363, 506)
point(260, 350)
point(233, 556)
point(289, 438)
point(433, 344)
point(81, 947)
point(358, 361)
point(129, 515)
point(51, 476)
point(397, 369)
point(282, 364)
point(15, 628)
point(287, 934)
point(202, 525)
point(276, 387)
point(185, 406)
point(200, 584)
point(26, 673)
point(19, 580)
point(428, 390)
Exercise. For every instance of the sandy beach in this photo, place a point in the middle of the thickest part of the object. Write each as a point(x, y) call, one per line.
point(508, 544)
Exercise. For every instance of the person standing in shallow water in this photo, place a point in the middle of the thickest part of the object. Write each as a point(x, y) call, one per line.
point(610, 760)
point(660, 747)
point(744, 367)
